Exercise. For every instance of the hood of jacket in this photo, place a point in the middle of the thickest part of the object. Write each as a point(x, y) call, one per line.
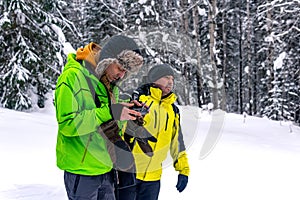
point(89, 53)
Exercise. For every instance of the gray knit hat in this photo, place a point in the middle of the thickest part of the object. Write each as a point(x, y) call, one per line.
point(159, 71)
point(116, 44)
point(120, 49)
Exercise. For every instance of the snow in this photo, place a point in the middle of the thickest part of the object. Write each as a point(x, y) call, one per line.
point(254, 158)
point(246, 69)
point(211, 84)
point(210, 106)
point(59, 32)
point(269, 39)
point(67, 47)
point(201, 11)
point(4, 19)
point(142, 2)
point(142, 15)
point(279, 61)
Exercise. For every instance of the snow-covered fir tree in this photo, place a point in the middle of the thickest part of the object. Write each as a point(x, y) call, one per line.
point(30, 60)
point(281, 64)
point(248, 47)
point(95, 20)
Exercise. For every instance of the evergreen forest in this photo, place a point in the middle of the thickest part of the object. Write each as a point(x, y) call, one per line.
point(241, 56)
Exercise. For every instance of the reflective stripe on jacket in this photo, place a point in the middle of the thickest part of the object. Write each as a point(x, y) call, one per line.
point(80, 149)
point(164, 124)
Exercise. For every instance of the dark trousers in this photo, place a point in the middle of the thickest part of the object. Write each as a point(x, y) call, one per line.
point(128, 193)
point(147, 190)
point(126, 187)
point(81, 187)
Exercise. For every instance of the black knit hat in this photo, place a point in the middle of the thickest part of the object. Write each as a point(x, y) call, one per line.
point(159, 71)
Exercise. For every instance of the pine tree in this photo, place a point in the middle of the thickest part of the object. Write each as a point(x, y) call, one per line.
point(167, 32)
point(31, 60)
point(95, 20)
point(281, 85)
point(252, 49)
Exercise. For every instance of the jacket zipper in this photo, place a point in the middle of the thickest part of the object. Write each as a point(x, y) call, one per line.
point(157, 137)
point(155, 119)
point(167, 122)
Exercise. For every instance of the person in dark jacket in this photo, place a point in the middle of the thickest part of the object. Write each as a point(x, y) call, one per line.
point(163, 123)
point(124, 165)
point(87, 111)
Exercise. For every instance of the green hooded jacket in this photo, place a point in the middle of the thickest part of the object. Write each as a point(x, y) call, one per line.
point(80, 149)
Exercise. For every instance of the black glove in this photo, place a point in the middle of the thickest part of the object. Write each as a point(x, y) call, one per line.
point(182, 182)
point(117, 148)
point(110, 130)
point(141, 135)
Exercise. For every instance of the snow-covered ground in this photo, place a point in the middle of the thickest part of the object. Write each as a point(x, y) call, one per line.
point(255, 159)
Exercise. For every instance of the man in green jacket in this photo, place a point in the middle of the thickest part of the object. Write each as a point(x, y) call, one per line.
point(87, 108)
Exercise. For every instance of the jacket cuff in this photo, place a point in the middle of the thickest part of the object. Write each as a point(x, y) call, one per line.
point(181, 164)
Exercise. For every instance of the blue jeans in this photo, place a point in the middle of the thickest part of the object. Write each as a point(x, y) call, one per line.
point(81, 187)
point(147, 190)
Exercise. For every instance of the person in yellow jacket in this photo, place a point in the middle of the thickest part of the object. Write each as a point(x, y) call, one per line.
point(163, 122)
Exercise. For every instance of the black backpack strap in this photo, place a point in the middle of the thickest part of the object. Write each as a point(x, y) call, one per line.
point(142, 90)
point(92, 89)
point(175, 108)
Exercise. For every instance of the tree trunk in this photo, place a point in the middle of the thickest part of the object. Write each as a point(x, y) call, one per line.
point(240, 78)
point(200, 92)
point(212, 25)
point(255, 67)
point(249, 59)
point(224, 62)
point(184, 27)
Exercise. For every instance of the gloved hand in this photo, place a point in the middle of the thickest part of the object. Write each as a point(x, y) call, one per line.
point(182, 182)
point(118, 149)
point(141, 135)
point(110, 130)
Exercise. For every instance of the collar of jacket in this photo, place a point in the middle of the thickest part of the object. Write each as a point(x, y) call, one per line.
point(156, 93)
point(88, 53)
point(81, 65)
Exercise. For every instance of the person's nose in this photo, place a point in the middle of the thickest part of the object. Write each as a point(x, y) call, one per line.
point(121, 74)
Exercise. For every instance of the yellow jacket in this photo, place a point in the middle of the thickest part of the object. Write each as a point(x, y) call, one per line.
point(163, 123)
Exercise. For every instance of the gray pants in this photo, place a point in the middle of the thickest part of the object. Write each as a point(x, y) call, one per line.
point(81, 187)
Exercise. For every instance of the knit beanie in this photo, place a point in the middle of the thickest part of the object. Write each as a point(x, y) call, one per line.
point(159, 71)
point(120, 49)
point(115, 45)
